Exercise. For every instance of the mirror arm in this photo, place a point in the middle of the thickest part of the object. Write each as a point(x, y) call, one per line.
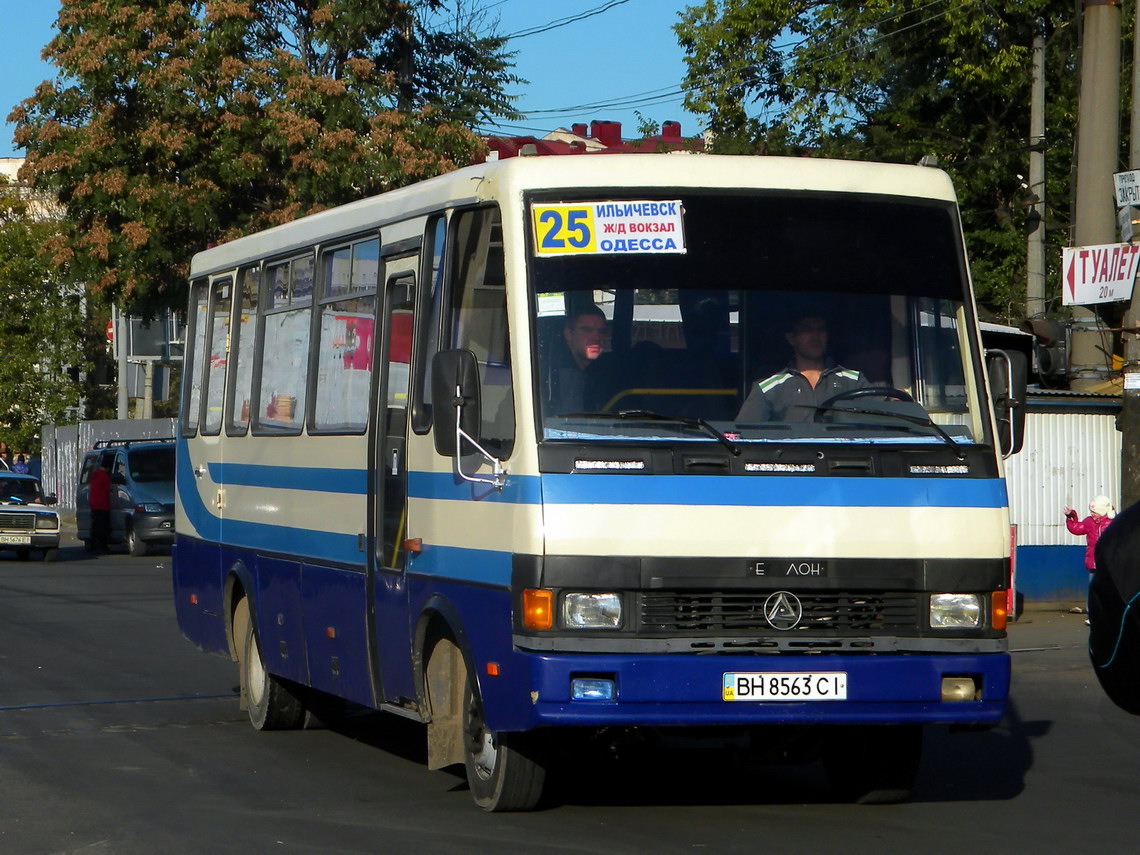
point(498, 477)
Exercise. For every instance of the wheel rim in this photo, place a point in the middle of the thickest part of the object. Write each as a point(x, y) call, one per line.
point(255, 672)
point(481, 742)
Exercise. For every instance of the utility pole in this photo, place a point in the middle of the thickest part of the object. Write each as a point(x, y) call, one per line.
point(1035, 261)
point(121, 345)
point(1130, 413)
point(1098, 136)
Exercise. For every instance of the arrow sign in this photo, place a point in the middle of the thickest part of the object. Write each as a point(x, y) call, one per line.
point(1098, 274)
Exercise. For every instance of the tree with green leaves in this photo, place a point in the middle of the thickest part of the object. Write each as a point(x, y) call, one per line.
point(41, 325)
point(174, 124)
point(899, 80)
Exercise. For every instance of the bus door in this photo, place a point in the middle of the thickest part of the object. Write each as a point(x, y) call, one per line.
point(198, 566)
point(388, 514)
point(214, 345)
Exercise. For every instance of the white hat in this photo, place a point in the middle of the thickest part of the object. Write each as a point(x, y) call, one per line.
point(1101, 505)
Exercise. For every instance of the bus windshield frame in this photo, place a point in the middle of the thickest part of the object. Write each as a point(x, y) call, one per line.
point(688, 335)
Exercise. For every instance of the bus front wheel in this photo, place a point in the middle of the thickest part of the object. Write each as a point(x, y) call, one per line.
point(505, 771)
point(270, 704)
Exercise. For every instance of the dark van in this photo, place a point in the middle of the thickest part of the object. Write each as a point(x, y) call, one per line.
point(142, 492)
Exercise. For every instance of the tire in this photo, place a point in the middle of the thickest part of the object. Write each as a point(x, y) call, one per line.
point(88, 546)
point(270, 703)
point(135, 546)
point(51, 554)
point(505, 771)
point(873, 765)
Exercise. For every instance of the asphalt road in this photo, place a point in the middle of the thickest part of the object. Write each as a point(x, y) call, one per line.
point(117, 736)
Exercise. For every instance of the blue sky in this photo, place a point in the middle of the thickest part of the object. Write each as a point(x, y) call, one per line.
point(627, 49)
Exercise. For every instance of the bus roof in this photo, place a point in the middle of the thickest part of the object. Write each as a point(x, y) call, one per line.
point(514, 176)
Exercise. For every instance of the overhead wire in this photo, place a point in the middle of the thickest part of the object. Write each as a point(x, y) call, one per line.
point(669, 94)
point(562, 22)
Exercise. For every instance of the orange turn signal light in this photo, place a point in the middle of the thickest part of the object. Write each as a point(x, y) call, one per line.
point(538, 608)
point(999, 609)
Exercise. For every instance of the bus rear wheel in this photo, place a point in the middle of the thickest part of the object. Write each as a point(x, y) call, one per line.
point(505, 771)
point(270, 703)
point(873, 764)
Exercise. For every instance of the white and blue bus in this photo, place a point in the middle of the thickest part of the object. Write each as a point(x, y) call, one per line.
point(404, 481)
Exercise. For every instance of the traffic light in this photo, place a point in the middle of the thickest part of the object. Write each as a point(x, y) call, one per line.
point(1051, 350)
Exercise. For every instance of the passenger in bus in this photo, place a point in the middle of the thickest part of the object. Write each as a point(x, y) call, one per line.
point(811, 377)
point(584, 335)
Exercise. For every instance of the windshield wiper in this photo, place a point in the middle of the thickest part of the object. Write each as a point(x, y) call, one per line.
point(916, 420)
point(696, 421)
point(650, 415)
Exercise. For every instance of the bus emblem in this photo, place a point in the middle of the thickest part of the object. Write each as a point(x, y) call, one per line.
point(783, 610)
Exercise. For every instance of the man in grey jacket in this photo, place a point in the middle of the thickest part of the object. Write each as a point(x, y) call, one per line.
point(792, 395)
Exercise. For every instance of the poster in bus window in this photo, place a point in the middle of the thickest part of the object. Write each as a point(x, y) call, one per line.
point(345, 366)
point(284, 368)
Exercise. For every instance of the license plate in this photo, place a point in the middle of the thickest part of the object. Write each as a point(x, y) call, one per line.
point(17, 539)
point(785, 686)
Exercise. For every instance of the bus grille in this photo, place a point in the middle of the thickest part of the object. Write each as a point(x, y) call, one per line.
point(19, 522)
point(826, 612)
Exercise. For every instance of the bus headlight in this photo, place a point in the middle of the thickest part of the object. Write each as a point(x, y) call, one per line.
point(955, 611)
point(591, 611)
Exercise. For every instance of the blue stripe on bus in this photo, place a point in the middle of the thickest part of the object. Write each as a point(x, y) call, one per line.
point(773, 491)
point(485, 566)
point(301, 542)
point(519, 489)
point(708, 490)
point(321, 480)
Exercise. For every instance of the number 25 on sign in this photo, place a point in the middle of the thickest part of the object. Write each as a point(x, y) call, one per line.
point(564, 229)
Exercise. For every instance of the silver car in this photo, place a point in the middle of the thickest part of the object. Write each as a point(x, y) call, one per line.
point(142, 493)
point(27, 524)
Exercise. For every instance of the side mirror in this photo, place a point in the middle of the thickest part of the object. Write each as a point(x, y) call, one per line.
point(456, 407)
point(455, 399)
point(51, 499)
point(1008, 372)
point(118, 478)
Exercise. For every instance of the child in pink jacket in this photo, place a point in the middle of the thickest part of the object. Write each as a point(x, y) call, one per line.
point(1101, 514)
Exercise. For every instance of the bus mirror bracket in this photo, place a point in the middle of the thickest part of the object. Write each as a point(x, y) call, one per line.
point(1008, 375)
point(455, 389)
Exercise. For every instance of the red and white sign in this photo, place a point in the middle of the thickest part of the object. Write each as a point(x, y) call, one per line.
point(1098, 274)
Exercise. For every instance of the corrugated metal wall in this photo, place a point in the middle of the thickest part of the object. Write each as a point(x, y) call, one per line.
point(64, 447)
point(1067, 459)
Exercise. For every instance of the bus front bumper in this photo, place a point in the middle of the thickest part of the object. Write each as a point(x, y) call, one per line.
point(685, 690)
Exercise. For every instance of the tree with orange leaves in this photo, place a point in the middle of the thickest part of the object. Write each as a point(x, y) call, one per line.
point(180, 123)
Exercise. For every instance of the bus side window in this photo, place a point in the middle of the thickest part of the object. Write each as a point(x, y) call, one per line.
point(429, 311)
point(215, 368)
point(478, 320)
point(346, 335)
point(284, 356)
point(192, 391)
point(241, 350)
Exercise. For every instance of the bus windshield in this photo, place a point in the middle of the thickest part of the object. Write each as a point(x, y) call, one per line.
point(766, 316)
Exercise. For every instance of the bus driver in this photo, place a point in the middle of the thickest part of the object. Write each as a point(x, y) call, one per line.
point(584, 336)
point(811, 377)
